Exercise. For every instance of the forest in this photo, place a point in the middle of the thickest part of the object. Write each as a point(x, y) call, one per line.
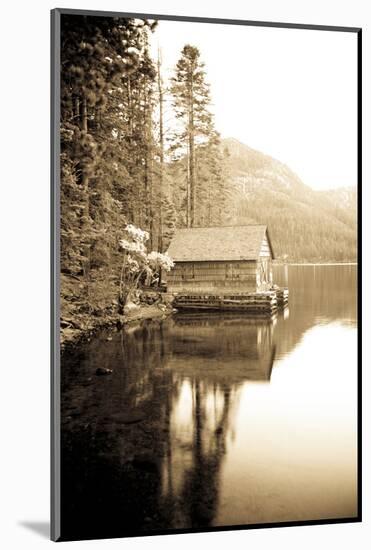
point(120, 164)
point(124, 165)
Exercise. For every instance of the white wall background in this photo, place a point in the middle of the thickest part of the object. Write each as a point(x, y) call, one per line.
point(24, 298)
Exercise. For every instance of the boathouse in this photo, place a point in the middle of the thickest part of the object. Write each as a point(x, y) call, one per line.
point(224, 260)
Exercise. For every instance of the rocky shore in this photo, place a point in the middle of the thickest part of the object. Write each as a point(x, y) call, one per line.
point(78, 325)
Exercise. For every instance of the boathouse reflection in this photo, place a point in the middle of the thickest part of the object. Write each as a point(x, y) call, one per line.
point(143, 449)
point(212, 356)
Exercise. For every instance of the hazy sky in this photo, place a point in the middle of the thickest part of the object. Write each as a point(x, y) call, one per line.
point(289, 93)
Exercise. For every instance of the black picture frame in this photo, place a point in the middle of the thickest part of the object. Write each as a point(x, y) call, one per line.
point(56, 534)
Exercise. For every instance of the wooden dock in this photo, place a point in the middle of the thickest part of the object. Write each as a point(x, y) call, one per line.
point(258, 303)
point(282, 296)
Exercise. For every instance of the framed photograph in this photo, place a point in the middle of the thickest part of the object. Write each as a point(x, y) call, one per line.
point(206, 191)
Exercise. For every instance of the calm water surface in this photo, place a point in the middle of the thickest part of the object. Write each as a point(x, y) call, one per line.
point(212, 420)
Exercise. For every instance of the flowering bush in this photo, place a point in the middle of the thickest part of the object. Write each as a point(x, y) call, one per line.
point(157, 260)
point(137, 262)
point(133, 247)
point(136, 233)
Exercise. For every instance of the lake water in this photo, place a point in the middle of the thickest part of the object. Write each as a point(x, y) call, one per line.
point(211, 420)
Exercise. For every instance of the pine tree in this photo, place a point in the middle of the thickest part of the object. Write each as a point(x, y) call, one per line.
point(214, 188)
point(191, 100)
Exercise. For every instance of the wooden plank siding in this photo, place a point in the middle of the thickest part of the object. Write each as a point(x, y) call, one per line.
point(265, 250)
point(212, 276)
point(264, 276)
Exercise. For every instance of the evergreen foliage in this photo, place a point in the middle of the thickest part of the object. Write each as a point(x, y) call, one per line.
point(195, 145)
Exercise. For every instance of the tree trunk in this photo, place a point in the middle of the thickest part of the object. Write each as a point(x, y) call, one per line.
point(85, 185)
point(191, 158)
point(161, 175)
point(149, 207)
point(76, 113)
point(188, 191)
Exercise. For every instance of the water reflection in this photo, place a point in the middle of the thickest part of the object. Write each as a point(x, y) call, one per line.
point(217, 347)
point(319, 295)
point(213, 355)
point(209, 419)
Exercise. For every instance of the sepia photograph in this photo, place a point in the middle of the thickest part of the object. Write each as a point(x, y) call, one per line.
point(206, 192)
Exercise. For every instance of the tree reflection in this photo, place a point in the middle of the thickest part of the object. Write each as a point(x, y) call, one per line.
point(213, 355)
point(143, 449)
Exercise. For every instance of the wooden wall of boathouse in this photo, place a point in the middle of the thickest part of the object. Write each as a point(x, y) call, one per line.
point(212, 277)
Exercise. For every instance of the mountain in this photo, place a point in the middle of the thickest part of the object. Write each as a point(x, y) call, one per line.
point(304, 224)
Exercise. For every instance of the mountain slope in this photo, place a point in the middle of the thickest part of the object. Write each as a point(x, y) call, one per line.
point(304, 224)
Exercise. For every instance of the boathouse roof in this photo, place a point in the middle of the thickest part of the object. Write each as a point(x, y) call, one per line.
point(228, 243)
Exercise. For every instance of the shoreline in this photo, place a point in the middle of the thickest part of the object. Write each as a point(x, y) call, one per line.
point(71, 337)
point(75, 330)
